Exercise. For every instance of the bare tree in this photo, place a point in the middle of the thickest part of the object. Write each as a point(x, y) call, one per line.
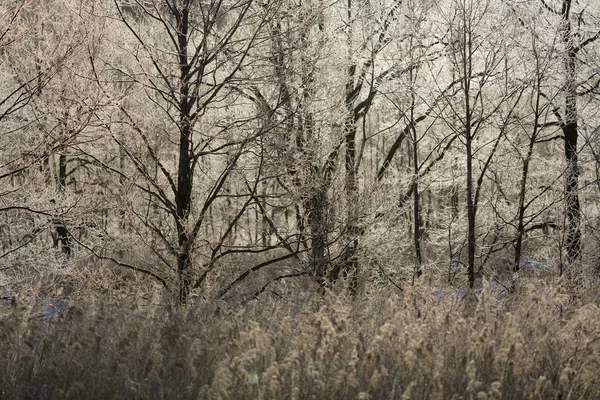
point(570, 131)
point(477, 62)
point(31, 70)
point(194, 56)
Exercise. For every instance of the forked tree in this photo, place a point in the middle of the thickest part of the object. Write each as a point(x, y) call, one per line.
point(188, 59)
point(485, 109)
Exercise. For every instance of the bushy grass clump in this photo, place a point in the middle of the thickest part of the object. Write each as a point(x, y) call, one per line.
point(537, 343)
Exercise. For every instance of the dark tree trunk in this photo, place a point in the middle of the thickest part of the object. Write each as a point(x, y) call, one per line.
point(417, 226)
point(184, 170)
point(454, 200)
point(316, 208)
point(570, 131)
point(522, 207)
point(349, 262)
point(417, 219)
point(62, 171)
point(520, 218)
point(471, 212)
point(471, 205)
point(60, 236)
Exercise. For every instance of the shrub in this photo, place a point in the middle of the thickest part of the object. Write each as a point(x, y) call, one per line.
point(537, 343)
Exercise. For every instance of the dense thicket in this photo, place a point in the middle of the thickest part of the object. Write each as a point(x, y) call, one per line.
point(366, 199)
point(365, 140)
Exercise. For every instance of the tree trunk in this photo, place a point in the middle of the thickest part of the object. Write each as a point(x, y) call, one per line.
point(349, 260)
point(62, 171)
point(349, 263)
point(417, 225)
point(184, 170)
point(471, 206)
point(417, 220)
point(522, 207)
point(316, 207)
point(570, 131)
point(471, 212)
point(523, 185)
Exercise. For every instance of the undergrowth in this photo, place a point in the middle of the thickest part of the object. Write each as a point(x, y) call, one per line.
point(537, 343)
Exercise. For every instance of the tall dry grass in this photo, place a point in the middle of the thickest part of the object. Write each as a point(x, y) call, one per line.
point(541, 342)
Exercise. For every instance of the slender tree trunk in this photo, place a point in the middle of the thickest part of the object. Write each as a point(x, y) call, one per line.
point(417, 220)
point(61, 233)
point(570, 131)
point(184, 171)
point(471, 212)
point(523, 184)
point(62, 171)
point(317, 207)
point(522, 208)
point(316, 201)
point(417, 228)
point(349, 261)
point(471, 206)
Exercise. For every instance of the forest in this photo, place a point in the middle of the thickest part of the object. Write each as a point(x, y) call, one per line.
point(230, 199)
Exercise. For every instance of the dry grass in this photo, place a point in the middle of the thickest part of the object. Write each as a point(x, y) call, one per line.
point(538, 343)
